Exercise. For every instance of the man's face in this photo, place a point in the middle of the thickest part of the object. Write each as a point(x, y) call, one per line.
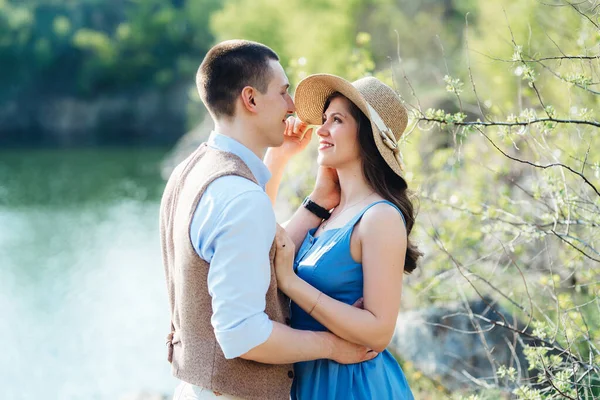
point(274, 106)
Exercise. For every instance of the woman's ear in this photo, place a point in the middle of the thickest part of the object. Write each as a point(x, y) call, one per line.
point(249, 98)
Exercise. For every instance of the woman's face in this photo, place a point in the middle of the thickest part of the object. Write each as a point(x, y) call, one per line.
point(338, 136)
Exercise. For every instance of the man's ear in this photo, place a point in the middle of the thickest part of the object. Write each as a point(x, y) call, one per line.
point(249, 98)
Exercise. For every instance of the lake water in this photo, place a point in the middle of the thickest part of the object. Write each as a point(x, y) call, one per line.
point(82, 294)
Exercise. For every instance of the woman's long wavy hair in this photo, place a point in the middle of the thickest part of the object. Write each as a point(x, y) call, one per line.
point(382, 178)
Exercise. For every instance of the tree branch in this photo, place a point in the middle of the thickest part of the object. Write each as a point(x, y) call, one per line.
point(541, 166)
point(509, 124)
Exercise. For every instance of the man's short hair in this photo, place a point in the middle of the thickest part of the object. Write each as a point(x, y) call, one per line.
point(229, 67)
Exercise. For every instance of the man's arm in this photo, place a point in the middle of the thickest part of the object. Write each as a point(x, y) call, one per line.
point(238, 249)
point(286, 345)
point(298, 345)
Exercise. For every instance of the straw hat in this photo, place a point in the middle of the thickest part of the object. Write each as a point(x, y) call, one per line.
point(375, 99)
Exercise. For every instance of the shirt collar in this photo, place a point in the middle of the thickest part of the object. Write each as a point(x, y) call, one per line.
point(257, 167)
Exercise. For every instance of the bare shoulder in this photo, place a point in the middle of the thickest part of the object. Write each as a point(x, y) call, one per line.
point(382, 219)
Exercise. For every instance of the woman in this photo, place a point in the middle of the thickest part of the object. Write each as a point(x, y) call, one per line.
point(361, 250)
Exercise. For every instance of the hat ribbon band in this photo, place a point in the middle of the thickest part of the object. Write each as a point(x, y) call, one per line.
point(386, 135)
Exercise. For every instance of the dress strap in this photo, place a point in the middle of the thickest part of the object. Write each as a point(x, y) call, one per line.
point(358, 216)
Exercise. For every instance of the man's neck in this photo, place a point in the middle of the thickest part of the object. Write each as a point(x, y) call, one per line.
point(241, 133)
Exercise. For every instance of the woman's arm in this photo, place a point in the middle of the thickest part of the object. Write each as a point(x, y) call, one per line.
point(276, 161)
point(296, 137)
point(326, 192)
point(383, 242)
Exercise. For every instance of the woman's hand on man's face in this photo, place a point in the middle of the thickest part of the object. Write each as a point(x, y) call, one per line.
point(297, 136)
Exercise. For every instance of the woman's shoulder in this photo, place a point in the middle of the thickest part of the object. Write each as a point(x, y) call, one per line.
point(383, 218)
point(382, 231)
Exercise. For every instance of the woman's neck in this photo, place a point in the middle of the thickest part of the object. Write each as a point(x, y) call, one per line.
point(353, 185)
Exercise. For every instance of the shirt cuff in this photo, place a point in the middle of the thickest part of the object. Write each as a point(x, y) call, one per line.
point(244, 337)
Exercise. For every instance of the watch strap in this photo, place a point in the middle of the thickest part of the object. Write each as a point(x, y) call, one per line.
point(316, 209)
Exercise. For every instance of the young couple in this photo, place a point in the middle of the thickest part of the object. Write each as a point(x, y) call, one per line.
point(231, 270)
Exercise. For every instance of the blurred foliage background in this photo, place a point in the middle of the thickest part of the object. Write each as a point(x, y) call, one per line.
point(502, 149)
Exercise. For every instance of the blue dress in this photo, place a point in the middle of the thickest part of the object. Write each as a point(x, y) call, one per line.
point(325, 262)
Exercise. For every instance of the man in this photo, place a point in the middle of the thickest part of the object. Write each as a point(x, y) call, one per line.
point(229, 337)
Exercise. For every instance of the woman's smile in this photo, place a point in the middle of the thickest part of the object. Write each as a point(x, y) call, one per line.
point(324, 145)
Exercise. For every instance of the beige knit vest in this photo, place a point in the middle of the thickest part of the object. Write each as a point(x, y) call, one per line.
point(194, 353)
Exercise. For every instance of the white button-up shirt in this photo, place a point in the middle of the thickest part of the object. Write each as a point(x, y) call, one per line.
point(233, 229)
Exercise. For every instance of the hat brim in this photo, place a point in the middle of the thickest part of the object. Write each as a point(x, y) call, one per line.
point(312, 93)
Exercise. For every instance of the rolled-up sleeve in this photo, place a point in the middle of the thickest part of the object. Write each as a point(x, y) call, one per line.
point(240, 272)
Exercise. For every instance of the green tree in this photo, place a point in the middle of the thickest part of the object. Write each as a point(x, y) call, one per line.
point(310, 36)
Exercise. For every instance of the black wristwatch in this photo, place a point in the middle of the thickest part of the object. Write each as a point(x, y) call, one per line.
point(316, 209)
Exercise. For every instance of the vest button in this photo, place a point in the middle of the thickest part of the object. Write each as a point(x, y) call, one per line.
point(291, 374)
point(288, 322)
